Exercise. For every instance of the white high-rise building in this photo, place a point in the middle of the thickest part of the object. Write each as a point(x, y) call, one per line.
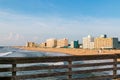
point(88, 42)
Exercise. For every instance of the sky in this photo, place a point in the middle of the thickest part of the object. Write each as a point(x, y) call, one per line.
point(38, 20)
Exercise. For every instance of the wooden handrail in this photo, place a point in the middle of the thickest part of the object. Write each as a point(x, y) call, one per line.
point(69, 67)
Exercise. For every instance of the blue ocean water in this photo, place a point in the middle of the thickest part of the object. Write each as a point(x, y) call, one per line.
point(14, 52)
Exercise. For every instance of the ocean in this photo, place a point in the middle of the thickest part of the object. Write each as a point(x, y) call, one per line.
point(15, 52)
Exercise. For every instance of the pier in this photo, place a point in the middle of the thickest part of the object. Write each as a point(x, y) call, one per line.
point(91, 65)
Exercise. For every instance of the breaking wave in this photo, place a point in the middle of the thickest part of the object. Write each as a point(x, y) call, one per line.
point(6, 53)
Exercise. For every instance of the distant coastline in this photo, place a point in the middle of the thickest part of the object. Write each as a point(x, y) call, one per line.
point(72, 51)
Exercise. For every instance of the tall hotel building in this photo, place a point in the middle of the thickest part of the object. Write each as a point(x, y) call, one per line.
point(51, 43)
point(62, 43)
point(30, 44)
point(104, 42)
point(88, 42)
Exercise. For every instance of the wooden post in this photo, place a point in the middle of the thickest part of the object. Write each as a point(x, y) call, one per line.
point(70, 70)
point(13, 72)
point(115, 67)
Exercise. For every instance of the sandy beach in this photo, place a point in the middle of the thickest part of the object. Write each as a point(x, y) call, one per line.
point(73, 51)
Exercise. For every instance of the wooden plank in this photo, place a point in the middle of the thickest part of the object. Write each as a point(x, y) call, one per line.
point(54, 59)
point(14, 73)
point(5, 78)
point(6, 62)
point(70, 69)
point(118, 68)
point(115, 67)
point(118, 55)
point(5, 69)
point(118, 62)
point(118, 76)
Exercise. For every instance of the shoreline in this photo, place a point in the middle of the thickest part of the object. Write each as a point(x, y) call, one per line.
point(72, 51)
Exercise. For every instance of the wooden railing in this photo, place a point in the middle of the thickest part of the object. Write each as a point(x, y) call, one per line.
point(86, 67)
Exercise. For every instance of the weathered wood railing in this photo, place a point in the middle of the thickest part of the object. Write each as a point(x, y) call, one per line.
point(90, 67)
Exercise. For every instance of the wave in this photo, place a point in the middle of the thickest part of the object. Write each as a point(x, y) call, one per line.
point(56, 63)
point(3, 54)
point(40, 64)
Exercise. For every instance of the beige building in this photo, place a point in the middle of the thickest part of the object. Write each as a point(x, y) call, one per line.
point(103, 42)
point(62, 43)
point(88, 42)
point(43, 45)
point(30, 44)
point(51, 43)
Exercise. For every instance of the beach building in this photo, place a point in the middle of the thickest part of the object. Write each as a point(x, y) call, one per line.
point(43, 45)
point(88, 42)
point(75, 44)
point(103, 42)
point(61, 43)
point(30, 44)
point(51, 43)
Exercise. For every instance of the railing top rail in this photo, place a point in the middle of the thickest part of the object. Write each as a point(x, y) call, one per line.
point(19, 60)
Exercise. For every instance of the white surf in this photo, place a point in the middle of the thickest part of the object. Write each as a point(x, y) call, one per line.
point(56, 63)
point(4, 54)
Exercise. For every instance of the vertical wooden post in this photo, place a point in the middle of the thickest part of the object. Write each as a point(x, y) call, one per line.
point(70, 70)
point(13, 71)
point(115, 67)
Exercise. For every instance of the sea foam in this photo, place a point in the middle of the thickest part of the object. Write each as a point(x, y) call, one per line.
point(6, 53)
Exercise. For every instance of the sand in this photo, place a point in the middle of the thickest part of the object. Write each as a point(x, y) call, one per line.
point(73, 51)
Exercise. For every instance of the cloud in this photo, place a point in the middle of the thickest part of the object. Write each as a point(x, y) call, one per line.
point(19, 37)
point(22, 28)
point(12, 39)
point(10, 36)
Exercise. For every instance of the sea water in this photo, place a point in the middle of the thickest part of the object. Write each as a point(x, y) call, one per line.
point(15, 52)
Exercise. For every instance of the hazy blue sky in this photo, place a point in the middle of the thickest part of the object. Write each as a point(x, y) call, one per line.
point(37, 20)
